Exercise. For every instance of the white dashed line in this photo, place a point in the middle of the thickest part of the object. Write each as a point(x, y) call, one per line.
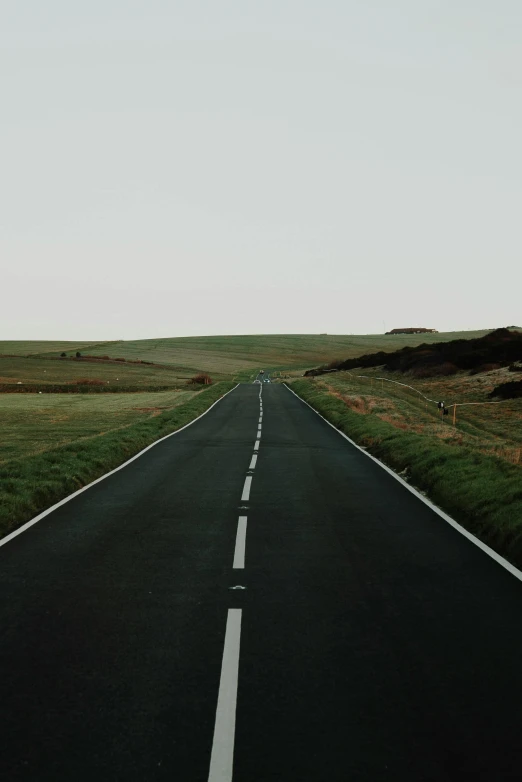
point(259, 426)
point(253, 462)
point(246, 488)
point(258, 435)
point(239, 553)
point(222, 758)
point(256, 446)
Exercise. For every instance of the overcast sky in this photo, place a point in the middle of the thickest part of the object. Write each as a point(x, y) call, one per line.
point(191, 167)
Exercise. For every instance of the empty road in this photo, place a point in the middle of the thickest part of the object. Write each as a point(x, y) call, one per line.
point(255, 591)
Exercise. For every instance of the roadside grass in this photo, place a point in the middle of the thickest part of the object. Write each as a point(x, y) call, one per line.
point(32, 423)
point(30, 484)
point(239, 355)
point(494, 429)
point(482, 491)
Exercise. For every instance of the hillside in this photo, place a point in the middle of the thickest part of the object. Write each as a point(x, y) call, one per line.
point(496, 349)
point(230, 355)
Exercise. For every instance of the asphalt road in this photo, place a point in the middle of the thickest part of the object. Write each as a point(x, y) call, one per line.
point(369, 641)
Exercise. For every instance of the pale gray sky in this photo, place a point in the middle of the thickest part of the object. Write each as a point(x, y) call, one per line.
point(172, 168)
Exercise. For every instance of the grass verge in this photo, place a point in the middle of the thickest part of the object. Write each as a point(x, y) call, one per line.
point(481, 492)
point(30, 485)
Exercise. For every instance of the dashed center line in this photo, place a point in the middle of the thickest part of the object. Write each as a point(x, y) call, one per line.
point(239, 553)
point(246, 488)
point(253, 462)
point(222, 758)
point(258, 435)
point(256, 446)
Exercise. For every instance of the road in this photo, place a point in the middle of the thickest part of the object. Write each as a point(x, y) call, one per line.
point(369, 641)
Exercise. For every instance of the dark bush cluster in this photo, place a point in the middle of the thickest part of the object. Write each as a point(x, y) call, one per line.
point(88, 357)
point(78, 388)
point(202, 379)
point(496, 349)
point(510, 390)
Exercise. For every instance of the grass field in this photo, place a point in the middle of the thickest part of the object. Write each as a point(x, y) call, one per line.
point(58, 371)
point(33, 423)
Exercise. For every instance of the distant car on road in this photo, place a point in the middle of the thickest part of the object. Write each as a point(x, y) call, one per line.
point(266, 380)
point(261, 371)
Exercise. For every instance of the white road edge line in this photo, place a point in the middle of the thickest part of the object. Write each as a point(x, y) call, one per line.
point(222, 757)
point(483, 546)
point(44, 513)
point(239, 551)
point(253, 462)
point(256, 445)
point(246, 488)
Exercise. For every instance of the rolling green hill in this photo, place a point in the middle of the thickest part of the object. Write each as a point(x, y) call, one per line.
point(230, 355)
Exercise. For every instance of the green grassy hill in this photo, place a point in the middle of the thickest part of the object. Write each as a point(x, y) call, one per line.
point(230, 355)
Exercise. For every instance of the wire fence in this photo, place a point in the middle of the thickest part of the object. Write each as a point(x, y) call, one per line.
point(417, 391)
point(512, 455)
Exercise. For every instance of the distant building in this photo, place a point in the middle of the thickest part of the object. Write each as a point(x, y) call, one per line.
point(413, 331)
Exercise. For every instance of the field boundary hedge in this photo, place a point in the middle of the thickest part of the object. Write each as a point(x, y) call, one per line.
point(86, 388)
point(481, 492)
point(30, 485)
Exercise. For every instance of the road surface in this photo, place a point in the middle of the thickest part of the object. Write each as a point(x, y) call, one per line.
point(255, 590)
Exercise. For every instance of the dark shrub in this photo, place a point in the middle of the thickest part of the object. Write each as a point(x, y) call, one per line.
point(511, 390)
point(202, 379)
point(487, 367)
point(78, 354)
